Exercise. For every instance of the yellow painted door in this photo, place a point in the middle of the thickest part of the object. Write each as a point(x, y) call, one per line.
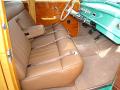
point(3, 85)
point(6, 60)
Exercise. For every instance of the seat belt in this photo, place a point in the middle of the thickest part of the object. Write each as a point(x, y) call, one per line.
point(52, 32)
point(52, 42)
point(72, 52)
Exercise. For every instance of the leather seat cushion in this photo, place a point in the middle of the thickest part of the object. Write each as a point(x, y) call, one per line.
point(55, 72)
point(42, 75)
point(36, 27)
point(42, 40)
point(39, 27)
point(50, 75)
point(65, 47)
point(43, 54)
point(61, 33)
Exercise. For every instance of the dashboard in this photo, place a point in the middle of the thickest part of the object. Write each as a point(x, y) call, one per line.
point(105, 17)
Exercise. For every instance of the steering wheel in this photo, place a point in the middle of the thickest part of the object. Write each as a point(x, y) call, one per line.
point(67, 10)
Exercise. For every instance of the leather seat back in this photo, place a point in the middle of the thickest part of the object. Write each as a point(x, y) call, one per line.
point(24, 20)
point(13, 8)
point(21, 48)
point(16, 10)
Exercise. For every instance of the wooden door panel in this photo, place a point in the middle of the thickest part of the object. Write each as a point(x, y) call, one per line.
point(45, 13)
point(48, 13)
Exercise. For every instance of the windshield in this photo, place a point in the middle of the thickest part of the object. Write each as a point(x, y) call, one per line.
point(103, 1)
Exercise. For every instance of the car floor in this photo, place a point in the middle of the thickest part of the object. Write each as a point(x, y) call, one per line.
point(101, 60)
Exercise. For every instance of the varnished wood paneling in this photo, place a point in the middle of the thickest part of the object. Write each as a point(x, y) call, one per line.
point(45, 13)
point(72, 27)
point(48, 13)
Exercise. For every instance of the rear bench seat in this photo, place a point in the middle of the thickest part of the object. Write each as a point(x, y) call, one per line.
point(52, 65)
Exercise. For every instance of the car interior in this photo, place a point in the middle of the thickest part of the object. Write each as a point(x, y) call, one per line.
point(63, 55)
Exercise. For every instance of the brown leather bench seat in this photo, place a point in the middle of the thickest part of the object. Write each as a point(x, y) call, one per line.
point(43, 39)
point(54, 65)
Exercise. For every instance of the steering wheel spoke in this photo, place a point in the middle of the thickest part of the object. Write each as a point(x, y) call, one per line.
point(67, 10)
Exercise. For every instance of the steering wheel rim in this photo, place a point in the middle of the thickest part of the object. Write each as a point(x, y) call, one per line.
point(68, 10)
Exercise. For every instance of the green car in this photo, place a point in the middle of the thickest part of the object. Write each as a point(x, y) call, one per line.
point(104, 16)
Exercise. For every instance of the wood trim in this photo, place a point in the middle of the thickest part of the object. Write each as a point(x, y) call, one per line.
point(31, 6)
point(48, 13)
point(51, 14)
